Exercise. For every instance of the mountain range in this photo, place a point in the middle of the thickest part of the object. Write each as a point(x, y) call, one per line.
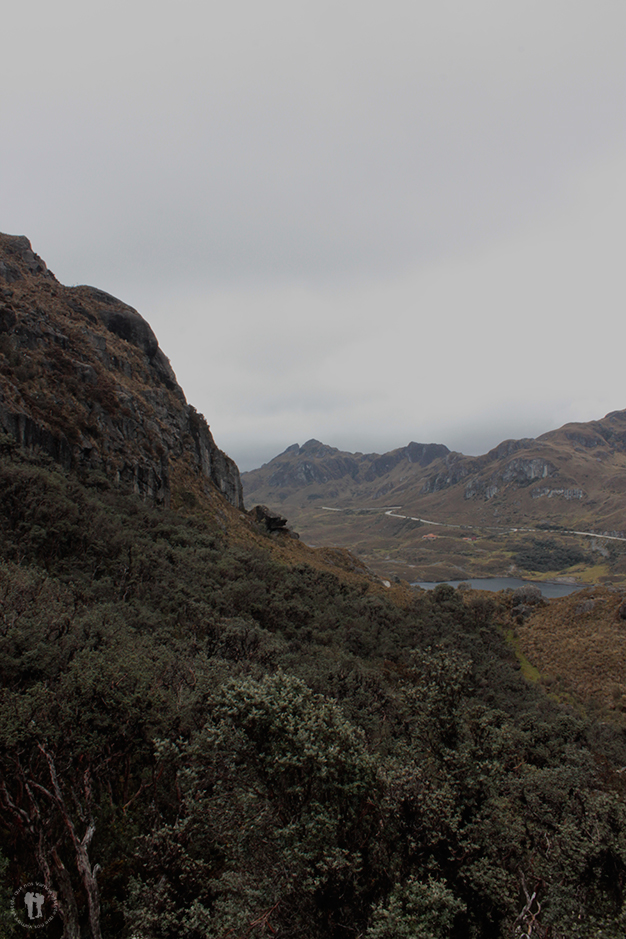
point(415, 504)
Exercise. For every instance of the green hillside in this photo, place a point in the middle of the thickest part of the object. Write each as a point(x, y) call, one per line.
point(199, 740)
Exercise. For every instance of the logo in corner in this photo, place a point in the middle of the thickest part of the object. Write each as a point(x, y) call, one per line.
point(34, 905)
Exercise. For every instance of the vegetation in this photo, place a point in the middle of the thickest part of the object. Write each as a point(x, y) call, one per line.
point(547, 554)
point(578, 643)
point(197, 741)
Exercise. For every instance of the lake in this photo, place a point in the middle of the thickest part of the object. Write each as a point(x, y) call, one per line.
point(501, 583)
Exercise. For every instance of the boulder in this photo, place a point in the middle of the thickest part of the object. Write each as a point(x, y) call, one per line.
point(271, 521)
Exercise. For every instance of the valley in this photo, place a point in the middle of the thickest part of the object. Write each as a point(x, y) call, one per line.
point(551, 508)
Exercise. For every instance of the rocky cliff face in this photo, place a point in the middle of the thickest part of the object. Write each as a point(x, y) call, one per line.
point(486, 475)
point(83, 378)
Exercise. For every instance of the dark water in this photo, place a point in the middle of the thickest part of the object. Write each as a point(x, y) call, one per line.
point(501, 583)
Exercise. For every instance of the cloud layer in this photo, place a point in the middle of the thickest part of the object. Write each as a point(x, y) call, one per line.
point(362, 222)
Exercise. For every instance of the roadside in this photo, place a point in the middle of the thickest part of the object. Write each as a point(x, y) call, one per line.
point(412, 548)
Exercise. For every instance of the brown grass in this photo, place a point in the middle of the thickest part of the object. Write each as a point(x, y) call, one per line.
point(578, 645)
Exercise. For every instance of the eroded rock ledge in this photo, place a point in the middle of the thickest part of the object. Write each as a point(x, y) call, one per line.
point(83, 379)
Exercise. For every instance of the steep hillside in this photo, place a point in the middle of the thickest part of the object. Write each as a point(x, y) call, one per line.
point(197, 740)
point(578, 646)
point(83, 378)
point(459, 516)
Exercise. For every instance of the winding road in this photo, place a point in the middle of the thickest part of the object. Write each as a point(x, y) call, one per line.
point(428, 521)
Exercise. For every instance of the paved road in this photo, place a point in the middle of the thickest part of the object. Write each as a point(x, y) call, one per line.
point(558, 531)
point(428, 521)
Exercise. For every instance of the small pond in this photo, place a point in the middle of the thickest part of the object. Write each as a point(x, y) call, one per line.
point(501, 583)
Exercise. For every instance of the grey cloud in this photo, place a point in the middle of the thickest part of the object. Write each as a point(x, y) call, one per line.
point(236, 145)
point(308, 201)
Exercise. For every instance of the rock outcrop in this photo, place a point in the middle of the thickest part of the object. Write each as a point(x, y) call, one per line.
point(271, 522)
point(83, 379)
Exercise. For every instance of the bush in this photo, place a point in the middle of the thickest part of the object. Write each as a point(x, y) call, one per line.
point(546, 554)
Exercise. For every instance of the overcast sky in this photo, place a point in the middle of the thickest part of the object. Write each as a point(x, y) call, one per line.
point(365, 222)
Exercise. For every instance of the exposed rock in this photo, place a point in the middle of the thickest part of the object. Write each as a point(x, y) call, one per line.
point(525, 599)
point(519, 470)
point(456, 470)
point(18, 260)
point(481, 487)
point(600, 547)
point(214, 463)
point(270, 521)
point(84, 380)
point(8, 319)
point(586, 440)
point(567, 494)
point(128, 324)
point(123, 320)
point(9, 273)
point(30, 434)
point(522, 470)
point(508, 447)
point(420, 453)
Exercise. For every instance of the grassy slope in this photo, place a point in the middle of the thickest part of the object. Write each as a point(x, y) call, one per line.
point(578, 645)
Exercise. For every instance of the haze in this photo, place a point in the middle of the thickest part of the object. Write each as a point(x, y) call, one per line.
point(367, 223)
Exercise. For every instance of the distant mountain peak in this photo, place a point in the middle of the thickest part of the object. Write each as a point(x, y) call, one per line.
point(316, 446)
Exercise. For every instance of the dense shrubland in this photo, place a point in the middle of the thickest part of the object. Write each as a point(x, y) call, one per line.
point(197, 741)
point(547, 554)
